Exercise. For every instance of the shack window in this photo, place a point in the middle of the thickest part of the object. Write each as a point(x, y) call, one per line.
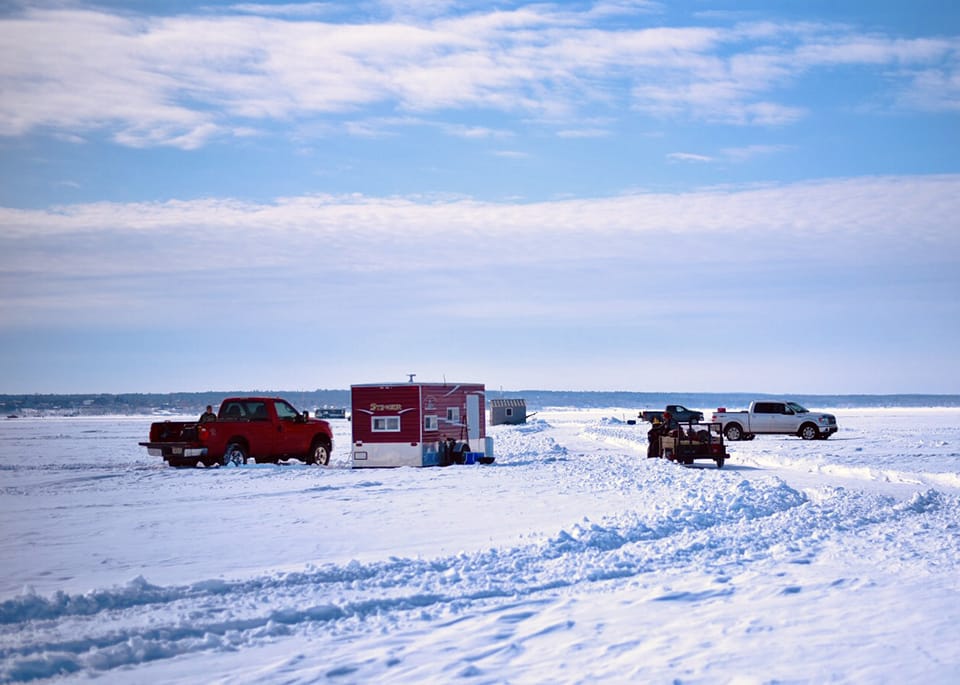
point(431, 423)
point(453, 414)
point(509, 411)
point(386, 424)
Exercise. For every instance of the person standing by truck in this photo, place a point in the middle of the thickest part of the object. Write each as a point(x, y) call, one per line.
point(669, 423)
point(208, 415)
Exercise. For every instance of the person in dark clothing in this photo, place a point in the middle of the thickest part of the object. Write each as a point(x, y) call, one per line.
point(653, 439)
point(208, 415)
point(669, 423)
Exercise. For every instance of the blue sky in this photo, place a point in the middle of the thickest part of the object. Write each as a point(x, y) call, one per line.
point(611, 195)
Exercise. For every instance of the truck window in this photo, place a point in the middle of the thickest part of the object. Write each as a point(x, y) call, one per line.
point(232, 412)
point(764, 408)
point(257, 411)
point(285, 412)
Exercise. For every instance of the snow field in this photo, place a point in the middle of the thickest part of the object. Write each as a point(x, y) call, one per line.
point(572, 559)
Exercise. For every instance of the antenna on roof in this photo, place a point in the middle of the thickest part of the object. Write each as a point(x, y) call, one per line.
point(412, 376)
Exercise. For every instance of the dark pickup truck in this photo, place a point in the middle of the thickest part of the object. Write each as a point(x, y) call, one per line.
point(677, 411)
point(262, 428)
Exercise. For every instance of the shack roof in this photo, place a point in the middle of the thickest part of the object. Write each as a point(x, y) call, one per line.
point(508, 403)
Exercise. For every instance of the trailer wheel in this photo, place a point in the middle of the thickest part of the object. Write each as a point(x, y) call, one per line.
point(734, 432)
point(809, 432)
point(235, 455)
point(319, 453)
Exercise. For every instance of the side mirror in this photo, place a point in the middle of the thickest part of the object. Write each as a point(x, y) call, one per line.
point(306, 415)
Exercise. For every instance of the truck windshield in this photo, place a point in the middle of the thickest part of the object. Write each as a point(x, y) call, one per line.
point(797, 408)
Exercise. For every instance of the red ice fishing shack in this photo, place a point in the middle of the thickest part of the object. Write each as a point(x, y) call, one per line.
point(419, 424)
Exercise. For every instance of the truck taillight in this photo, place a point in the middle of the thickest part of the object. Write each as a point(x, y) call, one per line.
point(203, 433)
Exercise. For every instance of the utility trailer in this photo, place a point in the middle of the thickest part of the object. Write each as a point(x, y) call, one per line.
point(686, 442)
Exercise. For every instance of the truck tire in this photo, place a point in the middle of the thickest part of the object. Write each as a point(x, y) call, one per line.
point(720, 461)
point(234, 455)
point(808, 431)
point(319, 453)
point(733, 431)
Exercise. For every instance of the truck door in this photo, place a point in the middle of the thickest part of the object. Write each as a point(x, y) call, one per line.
point(785, 419)
point(291, 431)
point(259, 430)
point(764, 417)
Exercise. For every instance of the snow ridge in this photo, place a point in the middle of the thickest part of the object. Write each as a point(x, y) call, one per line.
point(709, 530)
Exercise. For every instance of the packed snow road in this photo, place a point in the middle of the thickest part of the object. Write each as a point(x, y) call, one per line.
point(572, 559)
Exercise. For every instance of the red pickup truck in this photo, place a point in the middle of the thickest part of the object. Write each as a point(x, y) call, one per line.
point(262, 428)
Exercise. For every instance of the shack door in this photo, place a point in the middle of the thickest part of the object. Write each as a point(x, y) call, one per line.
point(473, 418)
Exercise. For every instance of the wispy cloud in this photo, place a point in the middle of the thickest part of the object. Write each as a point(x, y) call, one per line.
point(688, 157)
point(730, 154)
point(584, 133)
point(293, 9)
point(742, 154)
point(185, 80)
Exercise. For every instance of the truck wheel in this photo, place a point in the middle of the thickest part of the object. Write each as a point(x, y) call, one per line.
point(235, 455)
point(720, 461)
point(319, 453)
point(734, 432)
point(809, 432)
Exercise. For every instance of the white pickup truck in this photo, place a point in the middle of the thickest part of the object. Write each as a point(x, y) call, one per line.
point(775, 416)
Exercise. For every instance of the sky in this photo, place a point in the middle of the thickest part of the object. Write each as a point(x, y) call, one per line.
point(611, 195)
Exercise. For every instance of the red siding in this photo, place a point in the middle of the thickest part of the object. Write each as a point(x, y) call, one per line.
point(388, 400)
point(412, 402)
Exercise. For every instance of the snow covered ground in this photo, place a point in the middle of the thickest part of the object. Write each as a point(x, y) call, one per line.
point(572, 559)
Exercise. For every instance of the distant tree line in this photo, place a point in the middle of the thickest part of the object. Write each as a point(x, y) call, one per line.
point(148, 403)
point(194, 402)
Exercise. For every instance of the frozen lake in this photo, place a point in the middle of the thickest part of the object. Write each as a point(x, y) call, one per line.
point(573, 558)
